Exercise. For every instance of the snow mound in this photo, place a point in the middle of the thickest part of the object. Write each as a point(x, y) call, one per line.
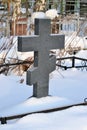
point(52, 13)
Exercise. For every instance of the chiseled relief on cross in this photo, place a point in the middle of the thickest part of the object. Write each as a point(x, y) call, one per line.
point(41, 43)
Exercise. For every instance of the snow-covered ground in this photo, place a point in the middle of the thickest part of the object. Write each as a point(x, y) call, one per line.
point(65, 88)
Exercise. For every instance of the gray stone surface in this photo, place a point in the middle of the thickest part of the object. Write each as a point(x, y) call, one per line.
point(41, 43)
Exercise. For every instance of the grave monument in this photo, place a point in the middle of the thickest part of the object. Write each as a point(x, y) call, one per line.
point(41, 43)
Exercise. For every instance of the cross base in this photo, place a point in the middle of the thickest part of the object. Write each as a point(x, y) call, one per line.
point(40, 91)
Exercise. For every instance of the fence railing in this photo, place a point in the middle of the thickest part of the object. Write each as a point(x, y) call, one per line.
point(12, 117)
point(60, 63)
point(83, 63)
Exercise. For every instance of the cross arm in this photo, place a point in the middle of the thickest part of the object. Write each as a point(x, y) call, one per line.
point(57, 41)
point(28, 43)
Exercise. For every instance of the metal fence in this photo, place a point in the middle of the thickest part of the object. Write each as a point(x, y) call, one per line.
point(82, 66)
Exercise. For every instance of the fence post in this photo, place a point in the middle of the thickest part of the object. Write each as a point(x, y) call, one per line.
point(73, 61)
point(3, 120)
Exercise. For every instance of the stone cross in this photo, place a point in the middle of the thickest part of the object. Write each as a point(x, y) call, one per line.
point(41, 43)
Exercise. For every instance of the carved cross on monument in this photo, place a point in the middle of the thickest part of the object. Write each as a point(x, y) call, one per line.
point(41, 43)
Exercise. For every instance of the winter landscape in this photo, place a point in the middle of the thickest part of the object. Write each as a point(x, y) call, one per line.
point(67, 87)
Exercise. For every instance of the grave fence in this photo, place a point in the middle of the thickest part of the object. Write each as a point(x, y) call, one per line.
point(61, 61)
point(4, 120)
point(6, 66)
